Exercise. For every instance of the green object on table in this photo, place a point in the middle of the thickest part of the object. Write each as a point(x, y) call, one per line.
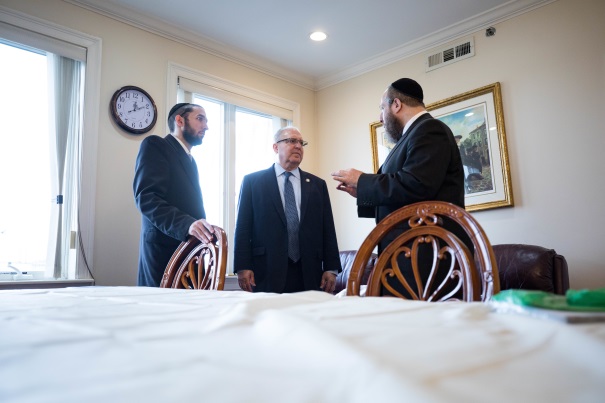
point(592, 298)
point(574, 300)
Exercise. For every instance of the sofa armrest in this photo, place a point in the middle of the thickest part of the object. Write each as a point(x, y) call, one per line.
point(561, 277)
point(531, 267)
point(346, 260)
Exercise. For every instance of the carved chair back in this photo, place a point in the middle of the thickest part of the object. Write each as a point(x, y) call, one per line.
point(427, 261)
point(198, 265)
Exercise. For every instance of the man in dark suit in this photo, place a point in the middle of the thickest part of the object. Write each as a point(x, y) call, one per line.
point(423, 165)
point(283, 247)
point(167, 192)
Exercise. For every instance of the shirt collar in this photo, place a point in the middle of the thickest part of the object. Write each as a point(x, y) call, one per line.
point(412, 120)
point(182, 145)
point(279, 170)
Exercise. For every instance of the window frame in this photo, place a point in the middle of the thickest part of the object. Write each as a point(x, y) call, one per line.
point(88, 173)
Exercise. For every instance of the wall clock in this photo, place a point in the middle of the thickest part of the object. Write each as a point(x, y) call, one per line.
point(133, 109)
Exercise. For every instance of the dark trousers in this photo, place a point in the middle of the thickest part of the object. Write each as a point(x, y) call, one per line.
point(294, 280)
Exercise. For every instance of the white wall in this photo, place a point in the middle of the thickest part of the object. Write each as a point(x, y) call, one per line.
point(551, 65)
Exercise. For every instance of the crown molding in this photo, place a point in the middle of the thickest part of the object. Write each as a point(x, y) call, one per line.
point(469, 26)
point(194, 40)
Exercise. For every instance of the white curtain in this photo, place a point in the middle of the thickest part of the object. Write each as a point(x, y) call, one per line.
point(66, 94)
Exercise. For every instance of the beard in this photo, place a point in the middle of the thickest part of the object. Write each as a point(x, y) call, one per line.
point(392, 127)
point(189, 135)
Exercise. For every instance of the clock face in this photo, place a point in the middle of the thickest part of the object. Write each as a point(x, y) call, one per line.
point(133, 110)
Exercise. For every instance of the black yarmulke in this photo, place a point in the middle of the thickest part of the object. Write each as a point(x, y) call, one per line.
point(177, 107)
point(409, 87)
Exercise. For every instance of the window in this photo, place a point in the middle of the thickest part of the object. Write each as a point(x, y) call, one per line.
point(39, 162)
point(239, 141)
point(45, 215)
point(24, 165)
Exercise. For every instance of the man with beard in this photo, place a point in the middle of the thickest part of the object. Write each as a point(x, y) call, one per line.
point(285, 239)
point(424, 164)
point(167, 192)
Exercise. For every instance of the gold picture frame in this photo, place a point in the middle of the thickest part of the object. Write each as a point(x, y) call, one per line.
point(381, 144)
point(477, 120)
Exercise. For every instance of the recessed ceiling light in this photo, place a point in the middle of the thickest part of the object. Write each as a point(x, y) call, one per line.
point(318, 36)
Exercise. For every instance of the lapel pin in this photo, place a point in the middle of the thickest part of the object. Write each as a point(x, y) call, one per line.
point(307, 180)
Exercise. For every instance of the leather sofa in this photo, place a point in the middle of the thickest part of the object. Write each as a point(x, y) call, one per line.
point(520, 266)
point(531, 267)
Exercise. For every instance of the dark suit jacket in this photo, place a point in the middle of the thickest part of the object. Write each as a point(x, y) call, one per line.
point(261, 236)
point(424, 165)
point(168, 195)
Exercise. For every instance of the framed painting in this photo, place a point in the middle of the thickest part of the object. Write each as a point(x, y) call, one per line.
point(477, 121)
point(381, 144)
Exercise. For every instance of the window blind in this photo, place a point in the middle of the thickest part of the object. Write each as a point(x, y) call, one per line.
point(17, 37)
point(228, 96)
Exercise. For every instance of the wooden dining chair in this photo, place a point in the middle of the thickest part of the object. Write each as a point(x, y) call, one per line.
point(198, 265)
point(447, 271)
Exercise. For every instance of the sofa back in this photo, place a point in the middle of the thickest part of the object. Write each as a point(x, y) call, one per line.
point(520, 266)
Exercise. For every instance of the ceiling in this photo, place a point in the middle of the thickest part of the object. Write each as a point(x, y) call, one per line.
point(273, 35)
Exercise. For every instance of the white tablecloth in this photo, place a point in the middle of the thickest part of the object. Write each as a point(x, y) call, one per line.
point(130, 344)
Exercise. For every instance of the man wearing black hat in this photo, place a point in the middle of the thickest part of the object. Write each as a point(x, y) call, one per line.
point(167, 191)
point(423, 165)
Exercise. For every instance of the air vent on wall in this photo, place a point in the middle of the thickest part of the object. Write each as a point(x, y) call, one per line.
point(450, 54)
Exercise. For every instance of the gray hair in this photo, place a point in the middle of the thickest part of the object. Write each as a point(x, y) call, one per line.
point(278, 133)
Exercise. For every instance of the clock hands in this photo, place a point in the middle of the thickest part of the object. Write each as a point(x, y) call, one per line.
point(134, 106)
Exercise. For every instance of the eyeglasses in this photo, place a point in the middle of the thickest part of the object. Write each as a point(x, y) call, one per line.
point(293, 141)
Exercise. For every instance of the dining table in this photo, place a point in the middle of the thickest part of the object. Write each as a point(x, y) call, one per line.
point(142, 344)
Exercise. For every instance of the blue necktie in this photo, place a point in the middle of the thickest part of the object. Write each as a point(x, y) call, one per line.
point(291, 218)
